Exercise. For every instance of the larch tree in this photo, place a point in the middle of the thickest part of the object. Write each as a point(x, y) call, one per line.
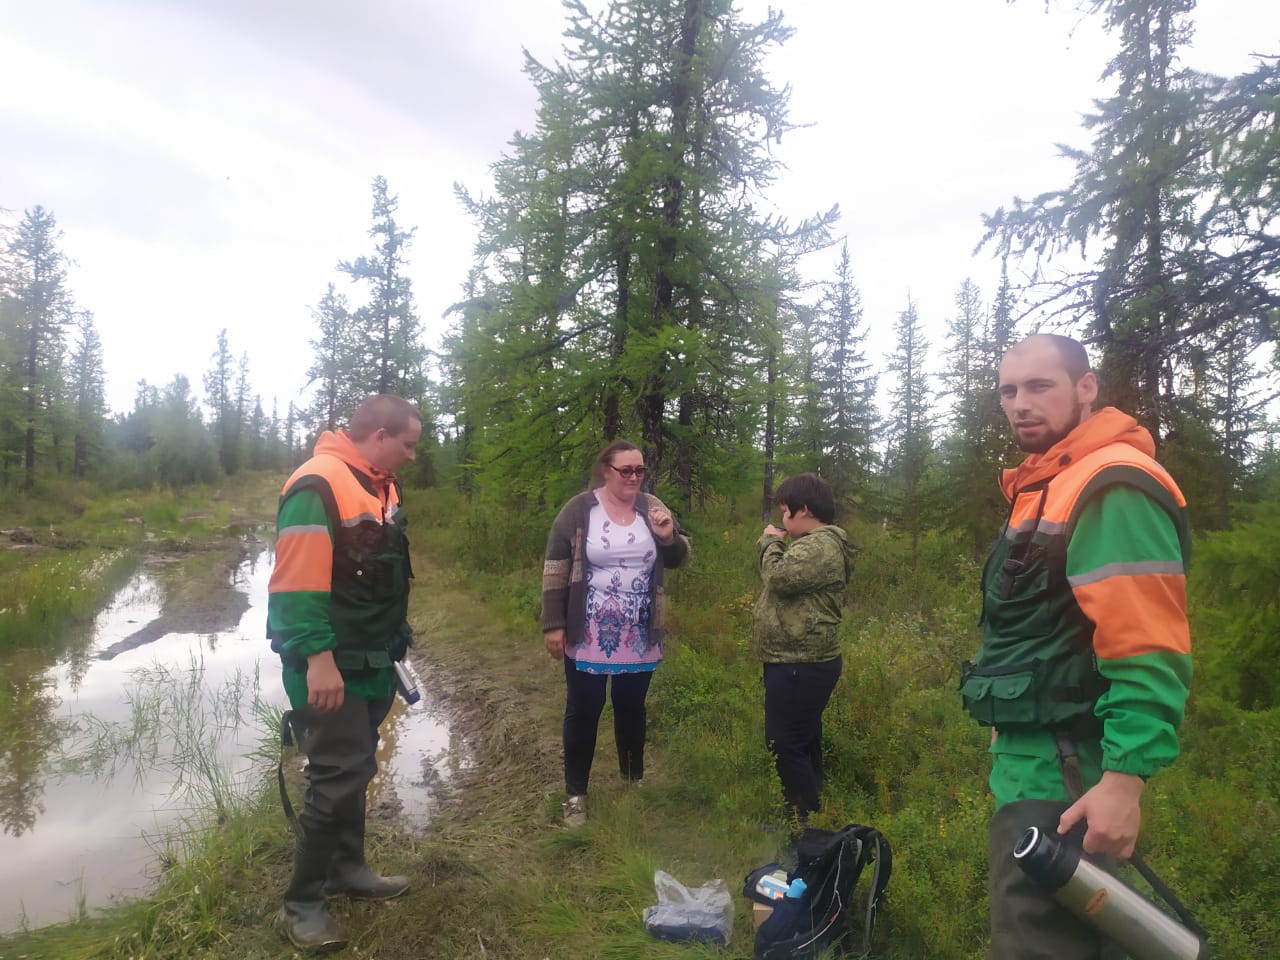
point(335, 365)
point(1177, 190)
point(618, 259)
point(393, 349)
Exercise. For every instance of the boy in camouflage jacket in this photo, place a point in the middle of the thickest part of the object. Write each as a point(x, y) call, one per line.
point(794, 632)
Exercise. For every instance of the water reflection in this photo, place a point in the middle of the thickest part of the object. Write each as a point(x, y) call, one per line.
point(97, 747)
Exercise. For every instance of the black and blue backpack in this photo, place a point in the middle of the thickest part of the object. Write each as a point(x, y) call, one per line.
point(830, 864)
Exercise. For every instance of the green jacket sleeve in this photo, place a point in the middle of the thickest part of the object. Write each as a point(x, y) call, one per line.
point(1128, 574)
point(297, 611)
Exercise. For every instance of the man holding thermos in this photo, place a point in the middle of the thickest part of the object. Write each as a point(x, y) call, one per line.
point(1085, 661)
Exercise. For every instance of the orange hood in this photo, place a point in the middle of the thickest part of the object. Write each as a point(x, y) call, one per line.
point(336, 443)
point(1104, 427)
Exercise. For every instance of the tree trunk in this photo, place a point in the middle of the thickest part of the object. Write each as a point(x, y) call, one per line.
point(770, 426)
point(654, 398)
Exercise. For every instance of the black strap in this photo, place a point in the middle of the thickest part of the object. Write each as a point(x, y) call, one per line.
point(287, 739)
point(1167, 895)
point(1069, 760)
point(874, 847)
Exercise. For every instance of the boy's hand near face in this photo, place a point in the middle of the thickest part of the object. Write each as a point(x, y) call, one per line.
point(776, 531)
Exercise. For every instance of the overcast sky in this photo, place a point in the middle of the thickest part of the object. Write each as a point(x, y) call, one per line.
point(210, 162)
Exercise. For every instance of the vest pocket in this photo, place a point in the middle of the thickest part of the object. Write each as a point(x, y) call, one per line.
point(998, 696)
point(1017, 600)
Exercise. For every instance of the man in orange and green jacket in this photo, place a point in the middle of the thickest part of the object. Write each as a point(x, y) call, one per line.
point(1085, 662)
point(336, 615)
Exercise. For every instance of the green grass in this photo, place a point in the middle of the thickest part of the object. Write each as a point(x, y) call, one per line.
point(495, 876)
point(85, 544)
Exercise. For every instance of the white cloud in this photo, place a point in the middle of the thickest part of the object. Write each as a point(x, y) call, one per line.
point(211, 163)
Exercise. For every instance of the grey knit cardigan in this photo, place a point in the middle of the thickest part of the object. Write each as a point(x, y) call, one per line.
point(564, 569)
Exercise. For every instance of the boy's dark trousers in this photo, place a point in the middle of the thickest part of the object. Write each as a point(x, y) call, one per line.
point(795, 694)
point(584, 702)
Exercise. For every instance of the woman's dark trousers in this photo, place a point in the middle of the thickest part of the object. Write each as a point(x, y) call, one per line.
point(584, 702)
point(795, 694)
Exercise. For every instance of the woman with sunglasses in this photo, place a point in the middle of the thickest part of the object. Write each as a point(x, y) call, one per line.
point(602, 603)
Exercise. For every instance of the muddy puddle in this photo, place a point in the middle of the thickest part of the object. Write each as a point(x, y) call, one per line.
point(117, 751)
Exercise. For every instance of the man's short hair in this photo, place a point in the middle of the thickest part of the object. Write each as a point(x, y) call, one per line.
point(1071, 351)
point(807, 490)
point(383, 411)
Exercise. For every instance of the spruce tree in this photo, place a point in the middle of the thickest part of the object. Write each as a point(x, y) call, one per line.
point(37, 307)
point(220, 397)
point(910, 428)
point(846, 383)
point(87, 393)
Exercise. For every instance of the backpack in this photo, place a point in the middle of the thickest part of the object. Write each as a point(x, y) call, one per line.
point(829, 863)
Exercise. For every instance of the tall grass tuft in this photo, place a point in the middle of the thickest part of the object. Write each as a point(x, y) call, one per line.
point(180, 730)
point(40, 603)
point(183, 731)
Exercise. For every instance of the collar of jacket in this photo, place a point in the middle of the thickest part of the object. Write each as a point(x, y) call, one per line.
point(336, 443)
point(1104, 427)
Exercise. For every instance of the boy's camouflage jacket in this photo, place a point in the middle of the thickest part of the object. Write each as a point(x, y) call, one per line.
point(800, 607)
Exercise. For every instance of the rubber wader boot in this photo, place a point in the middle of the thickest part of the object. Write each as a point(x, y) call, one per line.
point(304, 919)
point(350, 875)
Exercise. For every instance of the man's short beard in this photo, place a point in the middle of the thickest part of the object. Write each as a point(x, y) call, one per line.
point(1049, 439)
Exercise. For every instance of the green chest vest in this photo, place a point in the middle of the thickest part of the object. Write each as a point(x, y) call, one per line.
point(1036, 667)
point(369, 601)
point(369, 590)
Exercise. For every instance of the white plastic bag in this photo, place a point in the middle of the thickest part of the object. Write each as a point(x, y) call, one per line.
point(681, 914)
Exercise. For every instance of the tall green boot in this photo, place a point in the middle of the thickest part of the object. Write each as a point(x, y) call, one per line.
point(350, 875)
point(304, 919)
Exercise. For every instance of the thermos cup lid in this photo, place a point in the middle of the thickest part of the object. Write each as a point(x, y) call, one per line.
point(1046, 859)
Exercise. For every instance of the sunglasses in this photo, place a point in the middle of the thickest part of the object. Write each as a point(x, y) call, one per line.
point(627, 472)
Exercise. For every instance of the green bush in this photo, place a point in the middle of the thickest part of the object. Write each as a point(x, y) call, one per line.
point(1234, 598)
